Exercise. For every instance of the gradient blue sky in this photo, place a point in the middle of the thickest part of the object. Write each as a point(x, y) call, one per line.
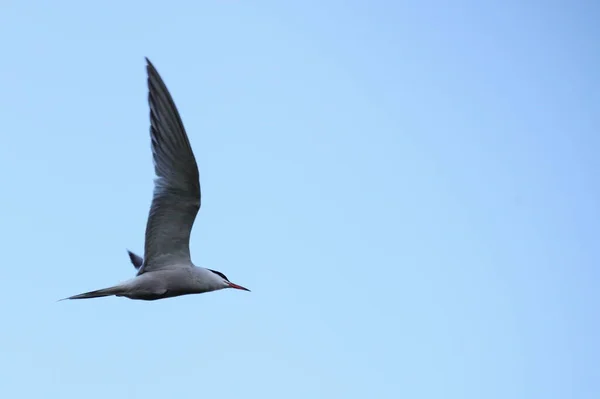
point(410, 189)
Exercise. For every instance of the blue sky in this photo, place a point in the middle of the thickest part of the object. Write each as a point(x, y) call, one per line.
point(410, 189)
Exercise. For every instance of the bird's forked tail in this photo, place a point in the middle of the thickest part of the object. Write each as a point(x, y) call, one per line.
point(98, 293)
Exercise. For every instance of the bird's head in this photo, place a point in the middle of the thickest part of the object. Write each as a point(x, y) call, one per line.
point(225, 281)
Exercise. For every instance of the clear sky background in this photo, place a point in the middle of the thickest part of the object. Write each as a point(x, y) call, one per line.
point(410, 189)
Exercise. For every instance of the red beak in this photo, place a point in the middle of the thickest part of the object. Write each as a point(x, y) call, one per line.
point(237, 287)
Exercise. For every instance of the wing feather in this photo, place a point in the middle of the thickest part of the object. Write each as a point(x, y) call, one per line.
point(176, 197)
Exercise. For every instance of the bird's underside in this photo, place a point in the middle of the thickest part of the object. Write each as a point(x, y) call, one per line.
point(150, 286)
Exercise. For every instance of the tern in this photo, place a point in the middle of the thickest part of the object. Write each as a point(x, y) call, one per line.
point(166, 270)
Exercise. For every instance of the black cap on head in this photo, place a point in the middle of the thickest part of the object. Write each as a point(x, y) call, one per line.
point(219, 274)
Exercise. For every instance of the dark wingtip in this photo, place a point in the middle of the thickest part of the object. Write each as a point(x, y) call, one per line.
point(150, 66)
point(135, 259)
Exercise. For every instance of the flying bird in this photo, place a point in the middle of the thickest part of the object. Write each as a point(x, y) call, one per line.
point(166, 270)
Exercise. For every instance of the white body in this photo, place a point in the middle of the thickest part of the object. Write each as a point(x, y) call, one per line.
point(170, 283)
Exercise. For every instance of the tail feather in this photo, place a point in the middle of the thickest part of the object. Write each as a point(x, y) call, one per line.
point(97, 294)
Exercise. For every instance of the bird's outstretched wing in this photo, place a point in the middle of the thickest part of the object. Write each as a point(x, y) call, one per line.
point(176, 199)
